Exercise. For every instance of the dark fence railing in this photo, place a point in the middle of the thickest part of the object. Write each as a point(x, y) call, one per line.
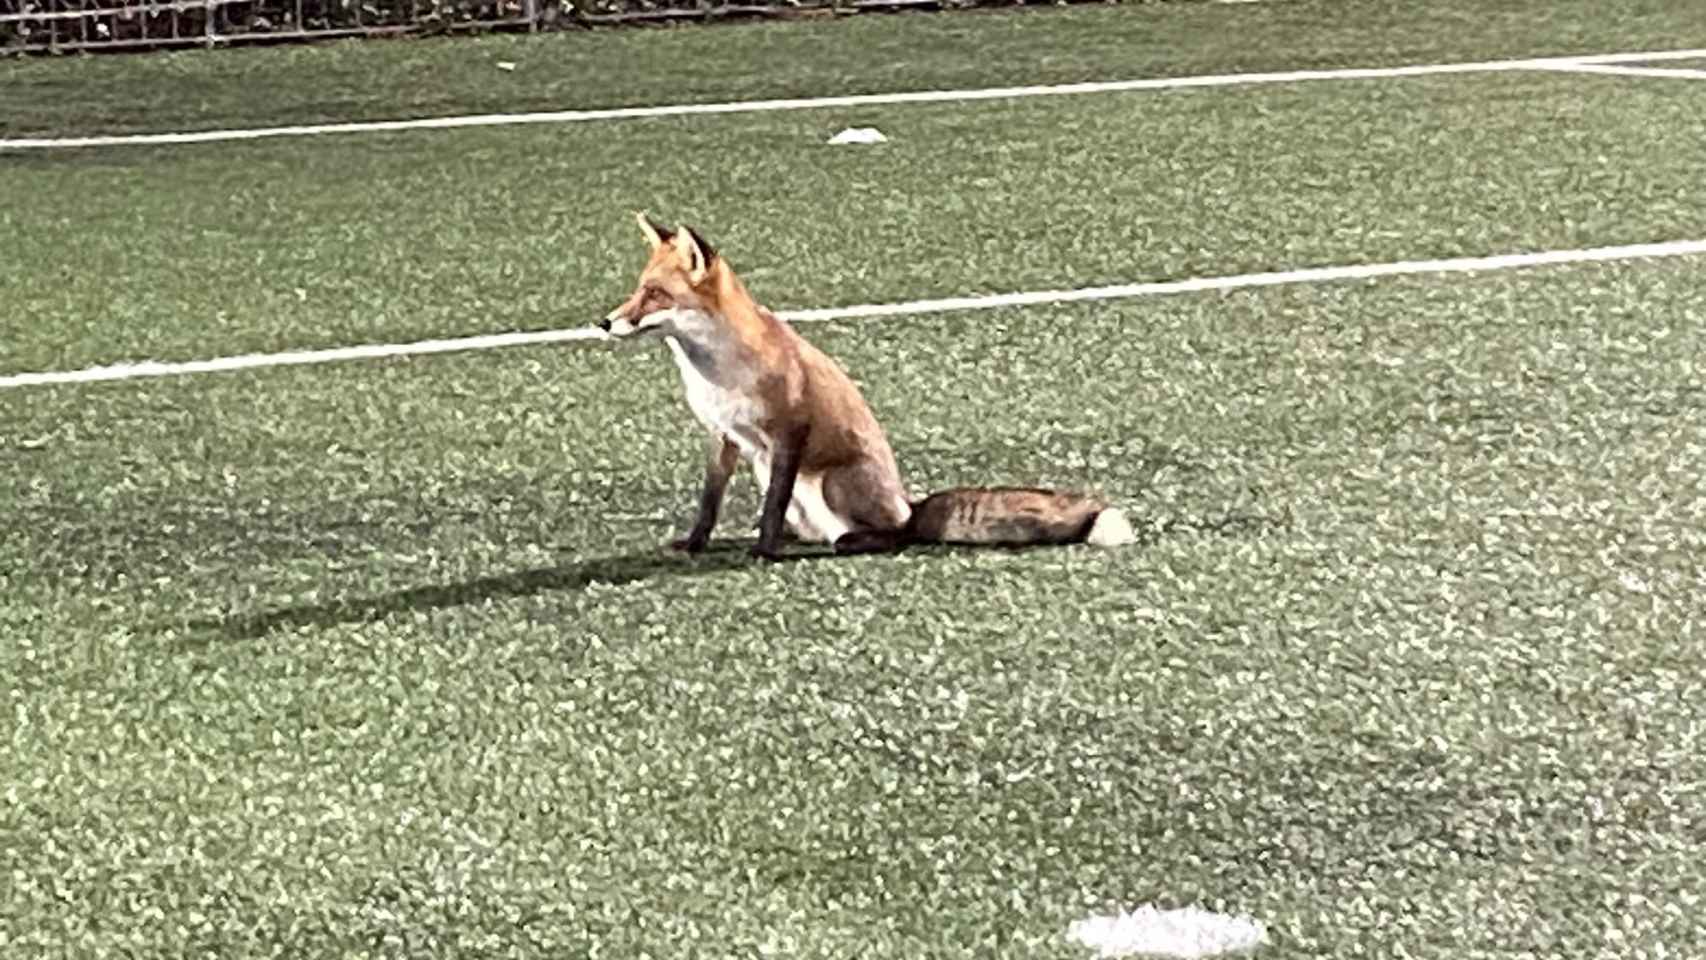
point(41, 26)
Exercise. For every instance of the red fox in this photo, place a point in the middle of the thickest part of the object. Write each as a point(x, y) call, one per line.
point(772, 399)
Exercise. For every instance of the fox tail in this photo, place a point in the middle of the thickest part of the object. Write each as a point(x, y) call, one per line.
point(1001, 516)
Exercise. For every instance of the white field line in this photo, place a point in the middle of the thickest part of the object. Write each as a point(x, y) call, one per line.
point(1507, 261)
point(246, 361)
point(855, 100)
point(129, 371)
point(1656, 56)
point(1627, 70)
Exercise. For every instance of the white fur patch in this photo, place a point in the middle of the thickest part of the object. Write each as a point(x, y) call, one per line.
point(723, 399)
point(657, 321)
point(1189, 932)
point(809, 513)
point(1111, 529)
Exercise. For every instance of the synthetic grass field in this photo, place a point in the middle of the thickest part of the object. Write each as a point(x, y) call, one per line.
point(384, 658)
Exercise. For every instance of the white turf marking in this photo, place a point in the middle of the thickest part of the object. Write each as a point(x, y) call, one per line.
point(1187, 932)
point(1654, 56)
point(1310, 275)
point(1628, 70)
point(150, 368)
point(856, 100)
point(129, 371)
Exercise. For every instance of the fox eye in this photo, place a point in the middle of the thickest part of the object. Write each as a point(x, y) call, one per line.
point(655, 297)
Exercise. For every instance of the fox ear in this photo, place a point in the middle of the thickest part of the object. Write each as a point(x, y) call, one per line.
point(695, 251)
point(655, 235)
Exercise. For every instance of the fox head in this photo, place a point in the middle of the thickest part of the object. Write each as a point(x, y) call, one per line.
point(676, 287)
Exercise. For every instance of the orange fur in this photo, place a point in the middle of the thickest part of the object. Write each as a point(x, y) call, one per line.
point(769, 397)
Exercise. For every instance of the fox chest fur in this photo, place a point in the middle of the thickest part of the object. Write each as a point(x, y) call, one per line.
point(721, 388)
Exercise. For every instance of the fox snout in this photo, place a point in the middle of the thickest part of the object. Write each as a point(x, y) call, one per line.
point(616, 323)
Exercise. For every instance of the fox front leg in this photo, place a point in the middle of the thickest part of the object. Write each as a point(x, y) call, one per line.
point(720, 465)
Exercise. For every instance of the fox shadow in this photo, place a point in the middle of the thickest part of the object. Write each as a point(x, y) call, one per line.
point(657, 564)
point(653, 564)
point(650, 565)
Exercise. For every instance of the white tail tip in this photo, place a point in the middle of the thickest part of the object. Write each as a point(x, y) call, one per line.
point(1111, 529)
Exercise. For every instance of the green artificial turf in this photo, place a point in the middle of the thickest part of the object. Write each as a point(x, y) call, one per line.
point(186, 252)
point(382, 80)
point(385, 658)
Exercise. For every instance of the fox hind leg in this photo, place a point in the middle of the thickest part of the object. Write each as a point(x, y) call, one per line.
point(872, 541)
point(875, 507)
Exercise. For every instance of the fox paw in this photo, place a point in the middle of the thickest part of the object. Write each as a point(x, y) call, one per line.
point(689, 544)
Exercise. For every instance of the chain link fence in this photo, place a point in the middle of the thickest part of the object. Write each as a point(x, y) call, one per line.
point(45, 26)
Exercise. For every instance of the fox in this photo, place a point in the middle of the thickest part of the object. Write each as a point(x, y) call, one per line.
point(768, 397)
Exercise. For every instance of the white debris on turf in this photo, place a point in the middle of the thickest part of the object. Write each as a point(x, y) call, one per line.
point(859, 135)
point(1186, 932)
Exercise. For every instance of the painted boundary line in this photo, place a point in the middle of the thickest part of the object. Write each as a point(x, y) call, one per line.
point(854, 100)
point(1508, 261)
point(129, 371)
point(1629, 70)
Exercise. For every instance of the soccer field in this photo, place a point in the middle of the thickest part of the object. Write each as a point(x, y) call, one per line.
point(383, 656)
